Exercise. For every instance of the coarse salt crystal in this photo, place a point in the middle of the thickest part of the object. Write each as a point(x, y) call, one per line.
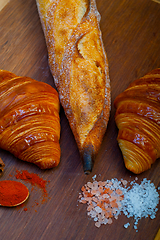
point(94, 177)
point(110, 221)
point(126, 225)
point(98, 209)
point(124, 182)
point(89, 184)
point(97, 224)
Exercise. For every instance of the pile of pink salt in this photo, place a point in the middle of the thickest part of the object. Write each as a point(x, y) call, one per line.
point(103, 199)
point(106, 200)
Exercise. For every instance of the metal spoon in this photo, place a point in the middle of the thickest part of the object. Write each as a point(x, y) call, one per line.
point(12, 193)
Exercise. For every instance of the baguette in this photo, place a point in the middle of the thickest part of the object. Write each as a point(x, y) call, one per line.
point(79, 66)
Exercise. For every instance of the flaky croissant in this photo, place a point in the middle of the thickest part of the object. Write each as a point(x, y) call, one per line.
point(29, 120)
point(79, 66)
point(138, 119)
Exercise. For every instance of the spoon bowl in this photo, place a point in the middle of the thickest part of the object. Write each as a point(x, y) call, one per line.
point(12, 193)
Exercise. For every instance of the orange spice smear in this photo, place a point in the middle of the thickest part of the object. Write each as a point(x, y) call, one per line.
point(103, 199)
point(34, 179)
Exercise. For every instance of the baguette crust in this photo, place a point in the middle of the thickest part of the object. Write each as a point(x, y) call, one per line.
point(79, 66)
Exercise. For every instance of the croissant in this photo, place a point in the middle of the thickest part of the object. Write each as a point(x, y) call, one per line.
point(29, 120)
point(138, 120)
point(79, 65)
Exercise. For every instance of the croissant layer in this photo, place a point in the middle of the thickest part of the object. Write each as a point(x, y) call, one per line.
point(138, 120)
point(29, 120)
point(79, 66)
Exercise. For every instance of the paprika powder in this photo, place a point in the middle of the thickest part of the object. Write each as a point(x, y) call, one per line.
point(12, 193)
point(34, 179)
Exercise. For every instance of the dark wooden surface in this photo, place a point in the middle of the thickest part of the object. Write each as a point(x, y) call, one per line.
point(131, 35)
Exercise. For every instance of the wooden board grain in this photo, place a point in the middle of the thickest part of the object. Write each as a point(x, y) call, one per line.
point(131, 37)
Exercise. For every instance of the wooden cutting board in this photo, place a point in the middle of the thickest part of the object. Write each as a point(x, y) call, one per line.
point(131, 35)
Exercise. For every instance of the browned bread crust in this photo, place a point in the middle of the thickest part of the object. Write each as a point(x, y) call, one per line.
point(79, 66)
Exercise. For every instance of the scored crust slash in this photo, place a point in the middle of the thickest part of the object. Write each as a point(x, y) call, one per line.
point(79, 66)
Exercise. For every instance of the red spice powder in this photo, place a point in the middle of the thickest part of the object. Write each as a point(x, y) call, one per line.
point(34, 179)
point(12, 193)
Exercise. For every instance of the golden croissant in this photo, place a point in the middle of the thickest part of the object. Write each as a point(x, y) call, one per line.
point(79, 66)
point(138, 120)
point(29, 120)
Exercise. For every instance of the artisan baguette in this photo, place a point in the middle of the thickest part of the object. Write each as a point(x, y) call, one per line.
point(79, 65)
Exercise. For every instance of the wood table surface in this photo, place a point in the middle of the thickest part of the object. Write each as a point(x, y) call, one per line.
point(131, 35)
